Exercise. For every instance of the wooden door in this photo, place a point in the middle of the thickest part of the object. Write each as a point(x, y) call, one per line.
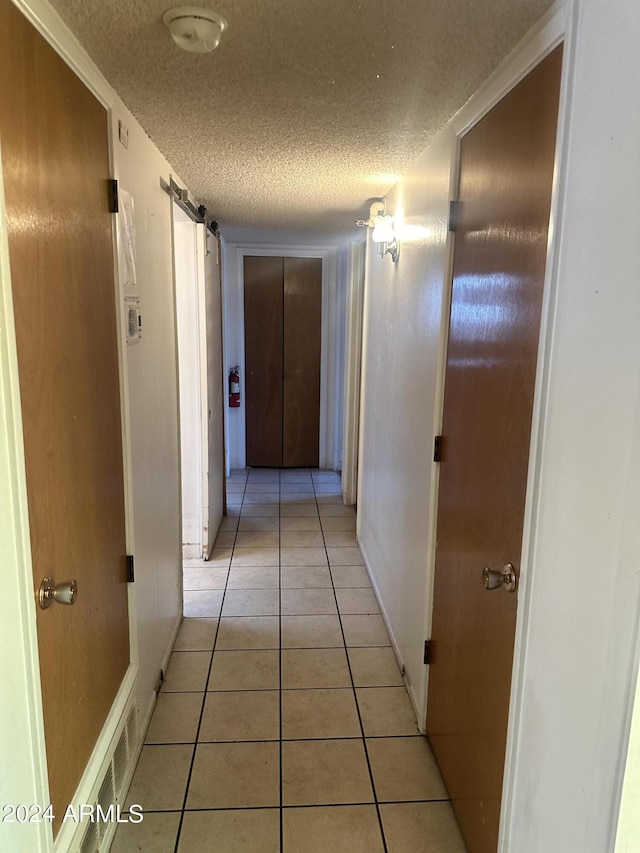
point(263, 340)
point(55, 160)
point(506, 173)
point(282, 310)
point(301, 357)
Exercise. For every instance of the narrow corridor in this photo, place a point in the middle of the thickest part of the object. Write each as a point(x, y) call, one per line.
point(283, 723)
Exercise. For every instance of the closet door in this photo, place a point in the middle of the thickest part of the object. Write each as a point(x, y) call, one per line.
point(282, 320)
point(263, 338)
point(302, 335)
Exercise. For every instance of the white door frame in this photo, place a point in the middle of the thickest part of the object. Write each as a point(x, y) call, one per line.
point(22, 747)
point(332, 343)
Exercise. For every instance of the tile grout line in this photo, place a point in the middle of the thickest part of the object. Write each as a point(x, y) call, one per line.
point(295, 805)
point(204, 695)
point(353, 687)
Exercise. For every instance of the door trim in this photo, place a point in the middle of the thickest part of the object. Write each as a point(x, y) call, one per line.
point(553, 28)
point(332, 335)
point(22, 745)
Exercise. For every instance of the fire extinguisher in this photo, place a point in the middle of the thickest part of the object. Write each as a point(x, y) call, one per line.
point(234, 388)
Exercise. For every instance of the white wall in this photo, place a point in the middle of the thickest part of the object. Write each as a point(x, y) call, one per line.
point(576, 652)
point(399, 405)
point(152, 389)
point(334, 275)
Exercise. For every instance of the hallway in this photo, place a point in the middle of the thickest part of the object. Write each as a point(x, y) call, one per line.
point(283, 722)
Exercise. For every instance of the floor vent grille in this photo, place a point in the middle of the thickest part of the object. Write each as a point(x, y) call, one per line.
point(91, 840)
point(99, 834)
point(121, 761)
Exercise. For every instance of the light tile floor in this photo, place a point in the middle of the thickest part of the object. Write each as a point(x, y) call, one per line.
point(283, 725)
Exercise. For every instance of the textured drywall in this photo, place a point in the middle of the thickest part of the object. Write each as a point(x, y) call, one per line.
point(399, 405)
point(305, 110)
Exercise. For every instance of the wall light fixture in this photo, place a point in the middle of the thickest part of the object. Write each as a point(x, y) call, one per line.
point(383, 234)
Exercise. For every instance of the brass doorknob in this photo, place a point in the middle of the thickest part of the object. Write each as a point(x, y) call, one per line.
point(64, 593)
point(506, 578)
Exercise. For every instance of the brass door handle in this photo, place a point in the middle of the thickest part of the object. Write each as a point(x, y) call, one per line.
point(64, 593)
point(506, 578)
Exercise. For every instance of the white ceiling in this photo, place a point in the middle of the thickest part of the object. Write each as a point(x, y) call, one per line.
point(306, 109)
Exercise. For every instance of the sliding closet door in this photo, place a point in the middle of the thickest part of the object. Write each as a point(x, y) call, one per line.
point(302, 326)
point(282, 318)
point(263, 337)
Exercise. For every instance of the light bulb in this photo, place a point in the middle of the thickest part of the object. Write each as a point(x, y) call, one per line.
point(383, 229)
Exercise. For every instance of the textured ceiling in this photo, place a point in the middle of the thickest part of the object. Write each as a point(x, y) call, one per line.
point(306, 109)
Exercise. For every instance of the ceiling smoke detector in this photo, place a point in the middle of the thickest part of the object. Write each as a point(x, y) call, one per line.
point(194, 29)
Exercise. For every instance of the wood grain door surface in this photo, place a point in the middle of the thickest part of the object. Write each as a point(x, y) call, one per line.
point(282, 310)
point(506, 174)
point(301, 362)
point(263, 337)
point(55, 158)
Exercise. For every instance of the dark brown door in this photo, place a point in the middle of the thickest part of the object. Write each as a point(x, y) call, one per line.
point(55, 159)
point(506, 173)
point(283, 308)
point(301, 367)
point(263, 339)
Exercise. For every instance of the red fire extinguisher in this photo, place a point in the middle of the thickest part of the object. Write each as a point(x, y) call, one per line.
point(234, 388)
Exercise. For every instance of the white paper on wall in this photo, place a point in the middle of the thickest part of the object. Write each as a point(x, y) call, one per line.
point(127, 238)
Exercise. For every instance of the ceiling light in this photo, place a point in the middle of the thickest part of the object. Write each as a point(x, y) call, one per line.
point(194, 29)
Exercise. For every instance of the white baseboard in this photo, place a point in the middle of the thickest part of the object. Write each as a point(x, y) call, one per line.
point(394, 643)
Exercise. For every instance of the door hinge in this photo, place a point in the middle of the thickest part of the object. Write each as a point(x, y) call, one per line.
point(112, 187)
point(454, 211)
point(130, 569)
point(427, 651)
point(437, 448)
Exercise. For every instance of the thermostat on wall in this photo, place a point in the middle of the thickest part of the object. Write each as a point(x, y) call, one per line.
point(133, 319)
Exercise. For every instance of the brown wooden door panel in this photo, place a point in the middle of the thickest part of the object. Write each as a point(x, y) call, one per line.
point(283, 310)
point(506, 174)
point(263, 330)
point(302, 338)
point(55, 158)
